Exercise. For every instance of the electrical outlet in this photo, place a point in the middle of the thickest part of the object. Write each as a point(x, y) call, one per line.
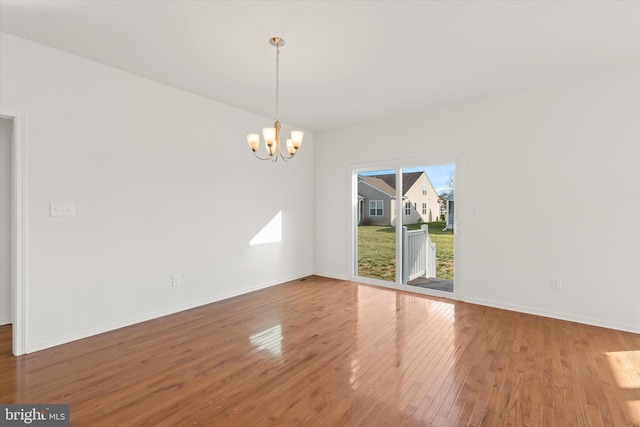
point(175, 280)
point(556, 284)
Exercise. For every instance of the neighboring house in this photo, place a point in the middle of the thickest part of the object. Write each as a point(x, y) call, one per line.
point(449, 210)
point(375, 200)
point(376, 195)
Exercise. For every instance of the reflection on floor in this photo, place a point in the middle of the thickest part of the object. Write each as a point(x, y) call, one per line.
point(433, 283)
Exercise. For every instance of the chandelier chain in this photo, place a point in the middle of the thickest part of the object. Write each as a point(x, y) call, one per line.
point(277, 81)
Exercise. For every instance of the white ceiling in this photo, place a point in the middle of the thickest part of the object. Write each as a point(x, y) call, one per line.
point(344, 62)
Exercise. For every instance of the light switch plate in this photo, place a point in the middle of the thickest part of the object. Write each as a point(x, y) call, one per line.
point(62, 209)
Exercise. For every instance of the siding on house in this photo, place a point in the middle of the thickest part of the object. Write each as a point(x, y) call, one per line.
point(382, 187)
point(417, 198)
point(370, 193)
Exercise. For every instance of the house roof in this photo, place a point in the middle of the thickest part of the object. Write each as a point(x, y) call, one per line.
point(387, 182)
point(379, 184)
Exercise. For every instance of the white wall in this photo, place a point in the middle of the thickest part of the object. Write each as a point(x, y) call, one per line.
point(5, 221)
point(163, 183)
point(552, 150)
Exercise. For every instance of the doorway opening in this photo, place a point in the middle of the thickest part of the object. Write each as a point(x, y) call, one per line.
point(12, 227)
point(6, 132)
point(405, 229)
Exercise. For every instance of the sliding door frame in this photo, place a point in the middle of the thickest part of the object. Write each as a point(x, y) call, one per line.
point(459, 223)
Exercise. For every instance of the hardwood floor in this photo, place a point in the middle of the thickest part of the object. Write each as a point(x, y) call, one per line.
point(331, 352)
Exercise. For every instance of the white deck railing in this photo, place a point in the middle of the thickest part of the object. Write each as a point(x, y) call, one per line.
point(419, 254)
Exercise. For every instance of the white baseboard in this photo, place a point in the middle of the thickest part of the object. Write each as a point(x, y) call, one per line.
point(555, 315)
point(331, 276)
point(85, 333)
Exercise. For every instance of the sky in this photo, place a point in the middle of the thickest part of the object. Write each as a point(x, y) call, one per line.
point(438, 174)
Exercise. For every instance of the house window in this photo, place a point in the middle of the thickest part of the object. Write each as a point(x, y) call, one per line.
point(375, 207)
point(424, 189)
point(407, 208)
point(424, 209)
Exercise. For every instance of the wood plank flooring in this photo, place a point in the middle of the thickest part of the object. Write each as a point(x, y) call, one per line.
point(330, 352)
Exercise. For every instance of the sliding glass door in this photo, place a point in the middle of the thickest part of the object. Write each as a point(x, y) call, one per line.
point(427, 240)
point(404, 227)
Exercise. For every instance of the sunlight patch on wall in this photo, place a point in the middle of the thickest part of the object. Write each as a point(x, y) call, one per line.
point(270, 233)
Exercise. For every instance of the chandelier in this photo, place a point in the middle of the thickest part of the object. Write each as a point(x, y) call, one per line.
point(272, 135)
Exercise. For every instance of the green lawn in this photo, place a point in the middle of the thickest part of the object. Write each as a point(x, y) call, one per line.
point(377, 254)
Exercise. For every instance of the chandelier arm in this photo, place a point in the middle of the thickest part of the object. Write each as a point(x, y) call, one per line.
point(286, 158)
point(261, 158)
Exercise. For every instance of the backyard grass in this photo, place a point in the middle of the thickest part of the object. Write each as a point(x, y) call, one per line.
point(377, 252)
